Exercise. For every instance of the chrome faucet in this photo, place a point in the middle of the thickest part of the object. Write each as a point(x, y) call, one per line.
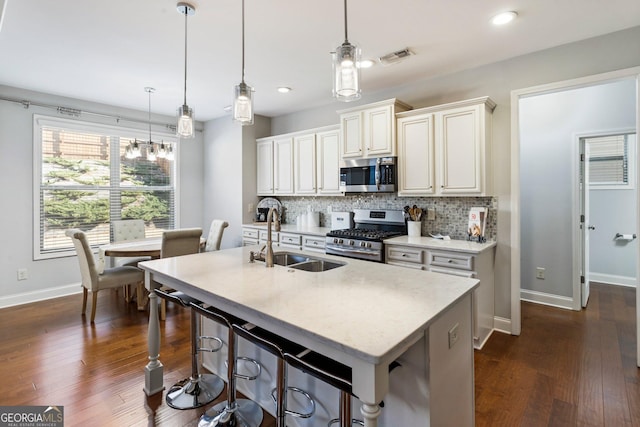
point(272, 212)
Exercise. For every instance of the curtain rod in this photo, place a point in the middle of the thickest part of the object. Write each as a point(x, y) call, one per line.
point(74, 112)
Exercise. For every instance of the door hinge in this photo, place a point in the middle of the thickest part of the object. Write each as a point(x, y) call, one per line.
point(582, 280)
point(581, 218)
point(582, 157)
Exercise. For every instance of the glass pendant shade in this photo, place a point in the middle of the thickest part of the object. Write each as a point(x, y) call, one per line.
point(346, 73)
point(162, 150)
point(151, 155)
point(170, 155)
point(243, 104)
point(185, 122)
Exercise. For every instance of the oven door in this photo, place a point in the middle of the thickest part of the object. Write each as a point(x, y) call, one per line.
point(374, 253)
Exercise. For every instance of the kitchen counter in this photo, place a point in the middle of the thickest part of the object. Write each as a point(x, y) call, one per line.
point(448, 245)
point(363, 314)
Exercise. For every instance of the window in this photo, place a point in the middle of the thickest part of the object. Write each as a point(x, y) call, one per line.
point(608, 158)
point(85, 180)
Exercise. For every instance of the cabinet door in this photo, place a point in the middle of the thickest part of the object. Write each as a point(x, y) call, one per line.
point(460, 151)
point(416, 155)
point(264, 168)
point(283, 166)
point(305, 164)
point(351, 128)
point(328, 162)
point(378, 131)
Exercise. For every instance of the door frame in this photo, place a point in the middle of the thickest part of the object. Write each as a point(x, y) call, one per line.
point(515, 252)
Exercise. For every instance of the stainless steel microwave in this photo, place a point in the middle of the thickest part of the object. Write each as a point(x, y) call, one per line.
point(375, 175)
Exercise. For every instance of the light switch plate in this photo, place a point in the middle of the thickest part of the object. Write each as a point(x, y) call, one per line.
point(453, 335)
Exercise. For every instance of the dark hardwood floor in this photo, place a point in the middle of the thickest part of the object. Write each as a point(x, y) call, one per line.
point(566, 369)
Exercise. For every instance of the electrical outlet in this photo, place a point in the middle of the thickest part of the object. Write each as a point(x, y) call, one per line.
point(540, 273)
point(250, 208)
point(23, 274)
point(431, 214)
point(329, 209)
point(453, 335)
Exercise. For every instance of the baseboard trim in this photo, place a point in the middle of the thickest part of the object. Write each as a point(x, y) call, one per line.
point(40, 295)
point(546, 299)
point(612, 279)
point(502, 324)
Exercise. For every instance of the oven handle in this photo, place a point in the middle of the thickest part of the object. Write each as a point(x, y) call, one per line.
point(378, 173)
point(353, 251)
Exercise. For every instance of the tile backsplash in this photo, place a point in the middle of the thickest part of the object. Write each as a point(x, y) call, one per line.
point(452, 213)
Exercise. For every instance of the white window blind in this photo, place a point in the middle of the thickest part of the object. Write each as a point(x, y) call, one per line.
point(85, 181)
point(609, 160)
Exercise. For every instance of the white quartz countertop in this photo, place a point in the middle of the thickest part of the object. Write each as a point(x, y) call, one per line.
point(448, 245)
point(292, 228)
point(370, 311)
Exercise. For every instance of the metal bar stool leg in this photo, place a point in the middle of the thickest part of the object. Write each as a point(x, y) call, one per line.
point(233, 412)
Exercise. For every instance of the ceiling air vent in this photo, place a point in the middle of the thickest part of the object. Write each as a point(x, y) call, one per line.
point(395, 57)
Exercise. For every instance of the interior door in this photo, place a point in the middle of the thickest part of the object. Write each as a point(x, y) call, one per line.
point(585, 225)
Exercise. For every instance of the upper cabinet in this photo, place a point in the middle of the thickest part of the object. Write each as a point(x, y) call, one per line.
point(369, 131)
point(274, 166)
point(301, 163)
point(446, 150)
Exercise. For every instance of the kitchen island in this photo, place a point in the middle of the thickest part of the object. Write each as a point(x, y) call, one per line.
point(362, 314)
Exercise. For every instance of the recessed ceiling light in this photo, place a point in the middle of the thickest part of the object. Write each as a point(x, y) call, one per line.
point(503, 18)
point(284, 89)
point(366, 63)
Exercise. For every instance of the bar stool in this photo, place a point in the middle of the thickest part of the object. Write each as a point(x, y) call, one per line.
point(199, 389)
point(277, 346)
point(333, 373)
point(232, 412)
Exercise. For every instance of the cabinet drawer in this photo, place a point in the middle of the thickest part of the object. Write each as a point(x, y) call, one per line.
point(449, 260)
point(312, 242)
point(404, 254)
point(249, 242)
point(461, 273)
point(290, 239)
point(250, 233)
point(274, 236)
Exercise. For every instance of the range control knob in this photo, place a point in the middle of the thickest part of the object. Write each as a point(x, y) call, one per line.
point(363, 244)
point(340, 241)
point(351, 242)
point(369, 244)
point(335, 240)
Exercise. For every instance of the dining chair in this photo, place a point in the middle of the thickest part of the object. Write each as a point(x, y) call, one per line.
point(179, 242)
point(128, 229)
point(215, 235)
point(92, 280)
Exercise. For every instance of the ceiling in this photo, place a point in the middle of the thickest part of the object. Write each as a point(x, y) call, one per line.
point(107, 51)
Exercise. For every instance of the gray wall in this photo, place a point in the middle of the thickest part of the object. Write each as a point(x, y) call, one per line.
point(548, 127)
point(607, 53)
point(61, 276)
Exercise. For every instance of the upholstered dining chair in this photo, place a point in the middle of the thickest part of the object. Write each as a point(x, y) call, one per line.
point(215, 235)
point(183, 241)
point(92, 280)
point(128, 229)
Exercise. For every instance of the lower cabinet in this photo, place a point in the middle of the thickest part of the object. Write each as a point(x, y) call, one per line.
point(258, 236)
point(464, 264)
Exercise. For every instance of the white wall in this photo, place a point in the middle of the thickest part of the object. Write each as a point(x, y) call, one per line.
point(611, 52)
point(230, 174)
point(548, 127)
point(61, 276)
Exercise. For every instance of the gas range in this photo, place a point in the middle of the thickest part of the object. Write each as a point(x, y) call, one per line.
point(365, 241)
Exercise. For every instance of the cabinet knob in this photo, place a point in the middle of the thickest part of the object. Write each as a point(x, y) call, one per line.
point(405, 255)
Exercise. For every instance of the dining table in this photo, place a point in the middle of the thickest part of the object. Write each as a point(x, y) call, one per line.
point(149, 247)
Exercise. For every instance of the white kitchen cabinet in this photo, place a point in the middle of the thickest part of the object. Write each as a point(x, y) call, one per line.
point(283, 166)
point(305, 163)
point(369, 131)
point(264, 172)
point(478, 265)
point(328, 162)
point(313, 243)
point(446, 150)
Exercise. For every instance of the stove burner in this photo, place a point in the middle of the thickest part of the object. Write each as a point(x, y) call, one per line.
point(363, 234)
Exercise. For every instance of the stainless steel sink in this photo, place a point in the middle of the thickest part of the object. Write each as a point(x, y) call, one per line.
point(304, 262)
point(316, 265)
point(287, 258)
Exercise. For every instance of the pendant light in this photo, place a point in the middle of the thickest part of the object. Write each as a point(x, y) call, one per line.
point(346, 72)
point(243, 99)
point(185, 128)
